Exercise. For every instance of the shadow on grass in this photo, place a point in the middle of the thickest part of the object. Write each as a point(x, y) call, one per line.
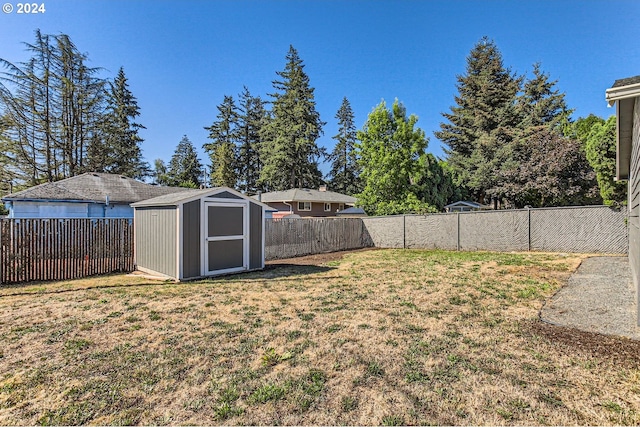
point(271, 271)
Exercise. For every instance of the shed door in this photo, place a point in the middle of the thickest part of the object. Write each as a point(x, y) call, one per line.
point(226, 238)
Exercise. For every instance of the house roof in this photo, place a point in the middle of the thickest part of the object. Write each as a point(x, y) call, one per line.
point(351, 211)
point(623, 93)
point(93, 187)
point(464, 203)
point(306, 195)
point(189, 195)
point(623, 88)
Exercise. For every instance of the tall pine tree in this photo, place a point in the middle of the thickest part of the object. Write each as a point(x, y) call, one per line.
point(344, 176)
point(184, 169)
point(119, 149)
point(252, 117)
point(290, 152)
point(52, 104)
point(222, 148)
point(481, 124)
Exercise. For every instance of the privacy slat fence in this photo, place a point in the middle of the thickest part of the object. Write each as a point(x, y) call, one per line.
point(60, 249)
point(287, 238)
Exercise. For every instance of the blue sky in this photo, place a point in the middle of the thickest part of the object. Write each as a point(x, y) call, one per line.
point(182, 56)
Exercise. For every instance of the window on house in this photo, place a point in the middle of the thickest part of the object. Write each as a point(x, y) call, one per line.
point(327, 207)
point(304, 206)
point(341, 207)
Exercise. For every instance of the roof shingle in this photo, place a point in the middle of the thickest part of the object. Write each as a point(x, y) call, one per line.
point(94, 187)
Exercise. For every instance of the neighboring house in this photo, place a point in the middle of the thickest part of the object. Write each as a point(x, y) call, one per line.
point(90, 195)
point(465, 206)
point(625, 94)
point(306, 202)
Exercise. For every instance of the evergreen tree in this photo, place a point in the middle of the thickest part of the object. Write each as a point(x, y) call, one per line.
point(541, 104)
point(251, 118)
point(480, 125)
point(541, 109)
point(119, 149)
point(392, 157)
point(53, 103)
point(601, 154)
point(344, 176)
point(184, 168)
point(290, 153)
point(222, 149)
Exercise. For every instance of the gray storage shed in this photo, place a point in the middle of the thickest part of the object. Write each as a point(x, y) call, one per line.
point(199, 233)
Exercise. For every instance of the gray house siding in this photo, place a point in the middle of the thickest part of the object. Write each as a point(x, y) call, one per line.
point(634, 201)
point(255, 236)
point(155, 239)
point(191, 240)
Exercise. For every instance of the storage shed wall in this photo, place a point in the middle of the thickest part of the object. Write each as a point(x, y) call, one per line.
point(256, 255)
point(191, 240)
point(156, 239)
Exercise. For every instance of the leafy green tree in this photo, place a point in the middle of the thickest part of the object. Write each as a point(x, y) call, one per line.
point(160, 173)
point(550, 170)
point(119, 151)
point(290, 154)
point(222, 149)
point(184, 168)
point(344, 176)
point(252, 116)
point(601, 153)
point(481, 124)
point(392, 157)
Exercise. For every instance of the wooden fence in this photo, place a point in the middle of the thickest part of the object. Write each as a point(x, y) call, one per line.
point(288, 238)
point(60, 249)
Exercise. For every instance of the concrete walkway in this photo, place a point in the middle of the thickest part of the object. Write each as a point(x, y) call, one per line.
point(599, 297)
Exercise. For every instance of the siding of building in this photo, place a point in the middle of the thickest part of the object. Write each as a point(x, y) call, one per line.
point(191, 239)
point(255, 236)
point(317, 209)
point(634, 201)
point(155, 240)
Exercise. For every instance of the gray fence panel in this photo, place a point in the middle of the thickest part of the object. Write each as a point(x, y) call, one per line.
point(386, 232)
point(432, 231)
point(596, 229)
point(494, 231)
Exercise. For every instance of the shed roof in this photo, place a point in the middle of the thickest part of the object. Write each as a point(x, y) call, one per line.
point(306, 195)
point(190, 195)
point(464, 203)
point(93, 187)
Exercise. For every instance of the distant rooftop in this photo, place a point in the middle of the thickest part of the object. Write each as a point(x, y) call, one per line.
point(306, 195)
point(94, 187)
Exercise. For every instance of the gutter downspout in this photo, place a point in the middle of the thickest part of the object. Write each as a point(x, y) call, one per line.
point(290, 207)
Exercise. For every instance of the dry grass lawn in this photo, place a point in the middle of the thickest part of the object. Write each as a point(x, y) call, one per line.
point(385, 337)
